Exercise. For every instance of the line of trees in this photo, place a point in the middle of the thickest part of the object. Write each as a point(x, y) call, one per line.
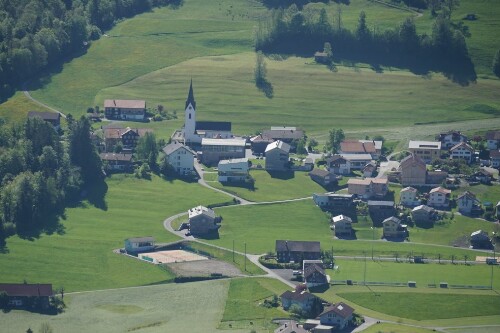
point(295, 32)
point(39, 174)
point(36, 34)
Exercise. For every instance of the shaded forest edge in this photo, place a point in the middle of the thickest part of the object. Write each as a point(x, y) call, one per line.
point(36, 36)
point(41, 175)
point(291, 31)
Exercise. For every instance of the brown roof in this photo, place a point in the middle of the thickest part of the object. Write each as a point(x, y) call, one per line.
point(341, 309)
point(116, 133)
point(492, 135)
point(353, 181)
point(351, 146)
point(319, 172)
point(125, 103)
point(25, 289)
point(311, 269)
point(297, 295)
point(336, 158)
point(411, 159)
point(44, 115)
point(440, 190)
point(261, 138)
point(297, 246)
point(116, 157)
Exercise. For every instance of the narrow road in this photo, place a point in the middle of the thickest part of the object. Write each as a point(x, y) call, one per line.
point(28, 95)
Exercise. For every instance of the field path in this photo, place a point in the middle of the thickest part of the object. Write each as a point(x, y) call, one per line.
point(28, 95)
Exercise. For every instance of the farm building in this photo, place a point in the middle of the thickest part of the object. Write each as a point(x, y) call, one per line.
point(214, 150)
point(125, 109)
point(18, 294)
point(368, 187)
point(322, 177)
point(259, 143)
point(54, 118)
point(117, 162)
point(297, 251)
point(139, 244)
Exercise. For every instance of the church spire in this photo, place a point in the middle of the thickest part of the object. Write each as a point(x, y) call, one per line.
point(190, 99)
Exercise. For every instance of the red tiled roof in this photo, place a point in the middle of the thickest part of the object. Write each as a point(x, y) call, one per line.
point(25, 289)
point(125, 103)
point(357, 147)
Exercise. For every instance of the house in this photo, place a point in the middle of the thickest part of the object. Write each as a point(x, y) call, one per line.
point(393, 228)
point(139, 244)
point(180, 158)
point(277, 156)
point(342, 225)
point(483, 176)
point(426, 150)
point(297, 251)
point(322, 177)
point(378, 147)
point(194, 131)
point(413, 170)
point(202, 221)
point(124, 109)
point(479, 240)
point(309, 163)
point(338, 315)
point(321, 57)
point(290, 326)
point(492, 140)
point(314, 273)
point(380, 210)
point(302, 299)
point(259, 144)
point(436, 177)
point(450, 139)
point(408, 197)
point(495, 158)
point(467, 203)
point(357, 161)
point(117, 162)
point(54, 118)
point(369, 169)
point(463, 151)
point(235, 170)
point(333, 201)
point(284, 133)
point(368, 187)
point(439, 197)
point(23, 294)
point(338, 165)
point(214, 150)
point(423, 214)
point(359, 147)
point(127, 137)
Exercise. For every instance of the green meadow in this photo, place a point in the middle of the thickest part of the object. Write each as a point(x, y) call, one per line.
point(260, 225)
point(81, 257)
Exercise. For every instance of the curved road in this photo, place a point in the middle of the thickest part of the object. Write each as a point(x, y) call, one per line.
point(28, 95)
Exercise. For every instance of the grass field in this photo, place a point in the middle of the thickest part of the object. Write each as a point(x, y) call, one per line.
point(423, 274)
point(260, 225)
point(164, 308)
point(82, 259)
point(243, 304)
point(291, 185)
point(17, 108)
point(406, 305)
point(395, 328)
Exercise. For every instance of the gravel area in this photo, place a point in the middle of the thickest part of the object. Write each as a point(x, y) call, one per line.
point(204, 268)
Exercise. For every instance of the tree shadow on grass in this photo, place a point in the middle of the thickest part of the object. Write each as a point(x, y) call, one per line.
point(96, 195)
point(266, 87)
point(210, 236)
point(247, 185)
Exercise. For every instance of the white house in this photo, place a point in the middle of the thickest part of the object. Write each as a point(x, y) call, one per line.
point(451, 138)
point(462, 151)
point(466, 202)
point(357, 161)
point(180, 158)
point(338, 315)
point(277, 155)
point(408, 197)
point(235, 170)
point(139, 244)
point(338, 165)
point(426, 150)
point(439, 197)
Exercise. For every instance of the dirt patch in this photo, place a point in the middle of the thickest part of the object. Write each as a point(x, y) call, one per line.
point(204, 268)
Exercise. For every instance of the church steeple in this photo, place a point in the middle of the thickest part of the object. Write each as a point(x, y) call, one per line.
point(190, 99)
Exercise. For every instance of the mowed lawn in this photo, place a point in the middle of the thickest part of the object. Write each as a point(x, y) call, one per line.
point(352, 98)
point(422, 274)
point(16, 108)
point(259, 226)
point(82, 257)
point(395, 328)
point(427, 306)
point(243, 306)
point(163, 308)
point(275, 186)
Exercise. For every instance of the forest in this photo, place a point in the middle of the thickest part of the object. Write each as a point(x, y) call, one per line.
point(292, 31)
point(40, 174)
point(35, 35)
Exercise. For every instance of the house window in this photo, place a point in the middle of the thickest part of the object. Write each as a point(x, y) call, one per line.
point(190, 116)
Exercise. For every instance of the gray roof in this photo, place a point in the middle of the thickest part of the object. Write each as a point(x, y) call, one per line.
point(141, 239)
point(172, 147)
point(297, 246)
point(424, 208)
point(319, 173)
point(44, 115)
point(380, 203)
point(297, 295)
point(341, 309)
point(278, 144)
